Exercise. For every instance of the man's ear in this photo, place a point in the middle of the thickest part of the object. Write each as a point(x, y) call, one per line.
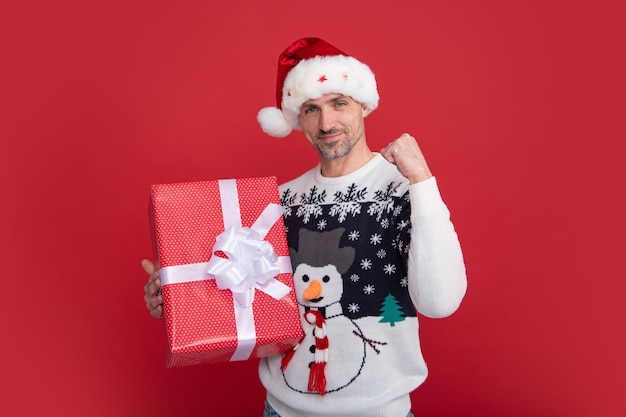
point(365, 111)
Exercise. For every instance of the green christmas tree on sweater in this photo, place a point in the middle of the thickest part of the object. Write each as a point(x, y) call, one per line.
point(391, 311)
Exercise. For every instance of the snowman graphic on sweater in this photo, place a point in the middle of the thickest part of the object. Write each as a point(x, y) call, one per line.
point(332, 354)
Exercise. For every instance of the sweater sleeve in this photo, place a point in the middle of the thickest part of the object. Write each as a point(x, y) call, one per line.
point(436, 270)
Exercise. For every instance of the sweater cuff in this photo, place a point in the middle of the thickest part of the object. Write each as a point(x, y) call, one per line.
point(425, 197)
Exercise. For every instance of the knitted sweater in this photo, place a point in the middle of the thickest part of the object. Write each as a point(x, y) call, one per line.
point(368, 250)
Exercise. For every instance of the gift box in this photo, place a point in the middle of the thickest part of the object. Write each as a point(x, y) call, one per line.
point(225, 271)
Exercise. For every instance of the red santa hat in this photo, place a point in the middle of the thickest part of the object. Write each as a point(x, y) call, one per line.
point(308, 69)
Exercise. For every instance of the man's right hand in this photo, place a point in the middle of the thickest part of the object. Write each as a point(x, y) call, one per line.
point(153, 297)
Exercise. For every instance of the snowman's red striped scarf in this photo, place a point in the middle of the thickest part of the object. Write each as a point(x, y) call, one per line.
point(317, 377)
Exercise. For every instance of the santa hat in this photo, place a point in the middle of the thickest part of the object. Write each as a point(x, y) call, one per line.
point(308, 69)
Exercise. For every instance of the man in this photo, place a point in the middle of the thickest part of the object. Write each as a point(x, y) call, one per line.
point(371, 243)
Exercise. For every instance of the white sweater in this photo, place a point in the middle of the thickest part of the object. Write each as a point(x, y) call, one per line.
point(379, 249)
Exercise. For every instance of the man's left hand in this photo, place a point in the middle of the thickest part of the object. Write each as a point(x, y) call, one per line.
point(406, 154)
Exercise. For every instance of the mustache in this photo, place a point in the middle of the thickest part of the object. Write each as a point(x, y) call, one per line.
point(323, 133)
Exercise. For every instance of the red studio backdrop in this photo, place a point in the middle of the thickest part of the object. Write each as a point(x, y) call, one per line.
point(518, 107)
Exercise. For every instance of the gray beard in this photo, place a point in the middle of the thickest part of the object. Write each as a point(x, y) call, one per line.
point(338, 149)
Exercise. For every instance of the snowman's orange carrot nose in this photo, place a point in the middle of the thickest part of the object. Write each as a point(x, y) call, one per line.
point(313, 290)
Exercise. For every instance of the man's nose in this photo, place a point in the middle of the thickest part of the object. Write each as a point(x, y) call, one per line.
point(326, 120)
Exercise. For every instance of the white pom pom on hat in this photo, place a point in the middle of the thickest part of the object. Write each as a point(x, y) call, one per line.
point(308, 69)
point(273, 123)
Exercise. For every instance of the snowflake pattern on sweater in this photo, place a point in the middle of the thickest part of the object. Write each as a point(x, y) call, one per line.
point(377, 224)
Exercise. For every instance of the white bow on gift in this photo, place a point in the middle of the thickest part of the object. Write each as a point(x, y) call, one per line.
point(251, 264)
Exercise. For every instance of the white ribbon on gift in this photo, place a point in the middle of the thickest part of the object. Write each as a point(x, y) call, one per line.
point(252, 264)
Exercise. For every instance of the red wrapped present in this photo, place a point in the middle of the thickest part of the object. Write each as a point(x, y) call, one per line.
point(225, 270)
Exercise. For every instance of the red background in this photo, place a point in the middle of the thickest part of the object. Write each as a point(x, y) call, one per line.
point(518, 107)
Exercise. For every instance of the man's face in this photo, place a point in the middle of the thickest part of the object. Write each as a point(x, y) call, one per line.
point(333, 124)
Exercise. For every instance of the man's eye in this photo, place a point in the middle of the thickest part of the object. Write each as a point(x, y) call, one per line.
point(340, 104)
point(308, 110)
